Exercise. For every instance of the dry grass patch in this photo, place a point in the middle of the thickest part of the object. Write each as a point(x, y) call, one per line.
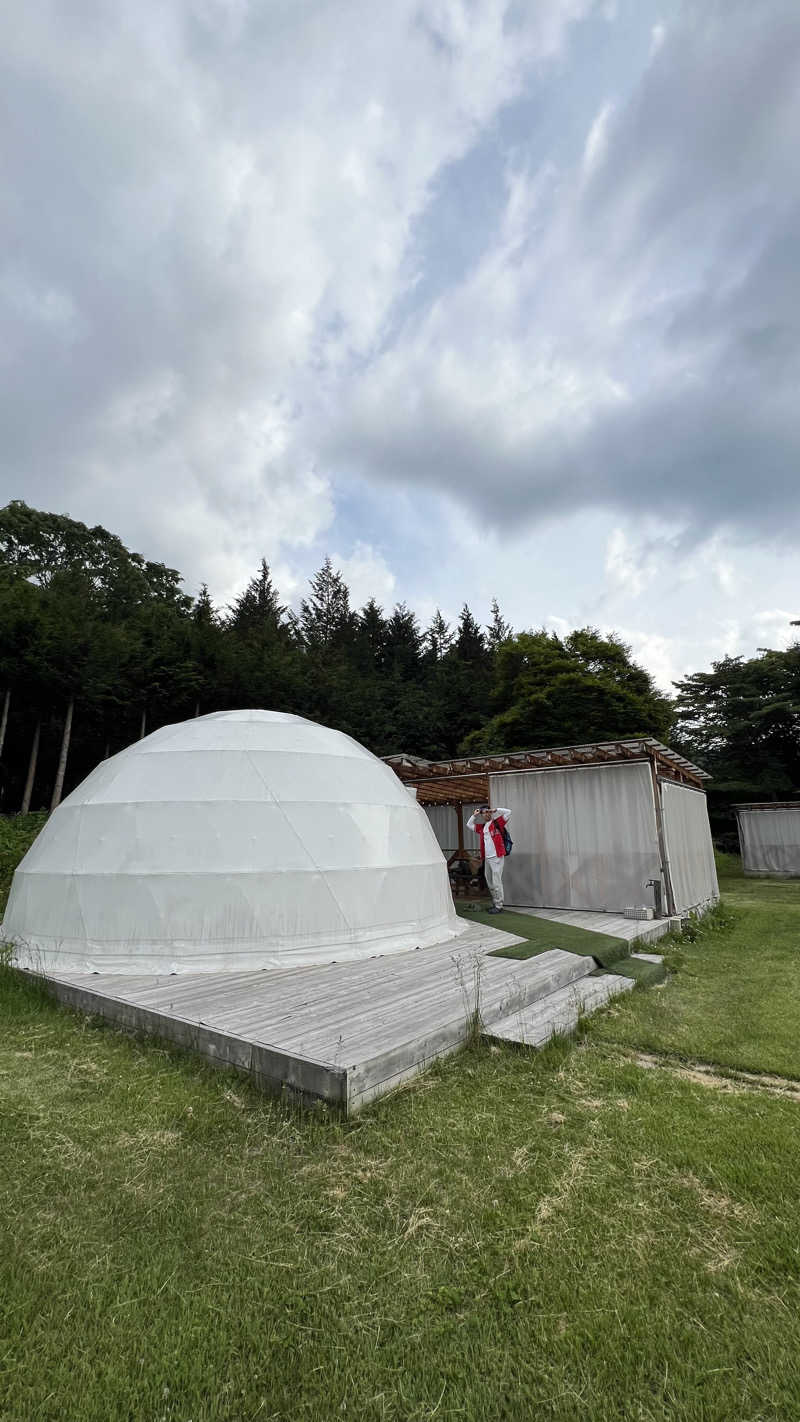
point(703, 1074)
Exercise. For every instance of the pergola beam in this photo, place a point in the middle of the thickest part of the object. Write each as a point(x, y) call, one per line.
point(466, 779)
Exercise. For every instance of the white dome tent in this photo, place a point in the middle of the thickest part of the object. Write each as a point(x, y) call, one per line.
point(239, 840)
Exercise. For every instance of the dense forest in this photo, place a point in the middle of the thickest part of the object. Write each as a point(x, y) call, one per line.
point(98, 646)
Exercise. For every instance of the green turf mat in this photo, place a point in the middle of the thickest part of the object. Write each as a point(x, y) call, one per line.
point(646, 974)
point(610, 950)
point(541, 934)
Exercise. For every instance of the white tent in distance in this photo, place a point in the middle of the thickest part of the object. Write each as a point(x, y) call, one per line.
point(239, 840)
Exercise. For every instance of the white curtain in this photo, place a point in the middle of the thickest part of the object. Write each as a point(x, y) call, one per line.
point(770, 841)
point(445, 826)
point(689, 847)
point(584, 838)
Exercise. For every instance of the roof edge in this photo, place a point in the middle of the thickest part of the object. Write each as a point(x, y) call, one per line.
point(769, 805)
point(411, 767)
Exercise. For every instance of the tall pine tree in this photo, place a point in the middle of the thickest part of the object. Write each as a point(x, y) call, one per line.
point(326, 621)
point(470, 643)
point(257, 611)
point(498, 630)
point(370, 637)
point(403, 643)
point(438, 638)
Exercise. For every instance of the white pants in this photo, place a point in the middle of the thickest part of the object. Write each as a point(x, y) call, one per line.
point(493, 869)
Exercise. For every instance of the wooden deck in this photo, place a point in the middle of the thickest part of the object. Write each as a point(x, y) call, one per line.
point(614, 924)
point(343, 1033)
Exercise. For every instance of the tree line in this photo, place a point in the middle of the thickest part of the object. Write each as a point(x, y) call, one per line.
point(99, 646)
point(741, 722)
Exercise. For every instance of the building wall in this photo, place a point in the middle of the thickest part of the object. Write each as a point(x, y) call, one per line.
point(690, 850)
point(770, 841)
point(584, 837)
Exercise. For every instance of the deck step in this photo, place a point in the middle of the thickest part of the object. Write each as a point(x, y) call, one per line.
point(559, 1012)
point(504, 988)
point(525, 982)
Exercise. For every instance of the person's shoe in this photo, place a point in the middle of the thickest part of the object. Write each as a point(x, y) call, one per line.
point(494, 909)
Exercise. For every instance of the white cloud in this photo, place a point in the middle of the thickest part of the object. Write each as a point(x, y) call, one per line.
point(662, 656)
point(561, 626)
point(628, 340)
point(367, 575)
point(596, 140)
point(721, 567)
point(657, 36)
point(627, 567)
point(217, 314)
point(235, 188)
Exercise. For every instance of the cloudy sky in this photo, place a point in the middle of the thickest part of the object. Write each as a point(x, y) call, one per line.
point(481, 297)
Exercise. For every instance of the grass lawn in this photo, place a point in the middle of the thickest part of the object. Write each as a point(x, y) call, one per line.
point(565, 1235)
point(735, 999)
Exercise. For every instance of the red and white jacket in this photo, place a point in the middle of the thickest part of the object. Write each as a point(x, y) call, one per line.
point(492, 844)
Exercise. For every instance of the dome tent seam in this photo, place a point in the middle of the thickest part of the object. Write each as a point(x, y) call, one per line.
point(297, 837)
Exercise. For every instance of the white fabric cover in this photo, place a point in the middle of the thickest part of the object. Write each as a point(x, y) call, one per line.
point(240, 840)
point(689, 846)
point(584, 838)
point(445, 826)
point(770, 841)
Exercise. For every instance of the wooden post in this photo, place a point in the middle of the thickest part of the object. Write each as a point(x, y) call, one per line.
point(26, 799)
point(62, 759)
point(461, 852)
point(662, 841)
point(4, 721)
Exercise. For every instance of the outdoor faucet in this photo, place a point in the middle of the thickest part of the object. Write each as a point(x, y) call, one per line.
point(655, 885)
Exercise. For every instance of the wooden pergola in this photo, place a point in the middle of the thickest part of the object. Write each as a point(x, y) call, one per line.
point(465, 781)
point(770, 805)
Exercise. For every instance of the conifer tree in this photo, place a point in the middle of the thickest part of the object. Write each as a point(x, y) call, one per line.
point(438, 638)
point(498, 630)
point(371, 637)
point(470, 643)
point(325, 617)
point(403, 642)
point(204, 613)
point(257, 610)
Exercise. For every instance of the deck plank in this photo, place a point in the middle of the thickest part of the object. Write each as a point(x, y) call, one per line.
point(616, 925)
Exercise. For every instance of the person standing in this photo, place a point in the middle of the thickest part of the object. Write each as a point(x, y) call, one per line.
point(489, 826)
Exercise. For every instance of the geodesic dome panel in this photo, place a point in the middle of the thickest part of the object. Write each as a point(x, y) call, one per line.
point(243, 839)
